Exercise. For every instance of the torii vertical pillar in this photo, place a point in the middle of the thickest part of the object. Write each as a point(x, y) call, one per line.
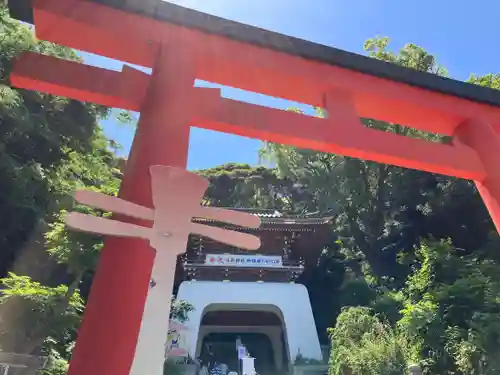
point(108, 335)
point(480, 136)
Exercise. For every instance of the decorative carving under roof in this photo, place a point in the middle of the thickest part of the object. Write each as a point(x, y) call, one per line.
point(274, 217)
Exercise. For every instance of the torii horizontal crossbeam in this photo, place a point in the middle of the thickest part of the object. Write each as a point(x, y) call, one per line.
point(71, 79)
point(168, 12)
point(208, 110)
point(334, 136)
point(86, 26)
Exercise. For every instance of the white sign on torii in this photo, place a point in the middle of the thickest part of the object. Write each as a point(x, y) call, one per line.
point(176, 195)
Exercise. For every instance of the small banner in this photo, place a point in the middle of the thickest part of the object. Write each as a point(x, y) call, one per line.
point(230, 260)
point(176, 341)
point(242, 352)
point(247, 366)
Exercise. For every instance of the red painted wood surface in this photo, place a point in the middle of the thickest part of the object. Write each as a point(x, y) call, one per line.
point(135, 39)
point(335, 134)
point(480, 136)
point(125, 89)
point(108, 335)
point(341, 133)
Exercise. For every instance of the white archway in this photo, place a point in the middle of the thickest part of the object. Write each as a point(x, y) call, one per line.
point(274, 330)
point(289, 301)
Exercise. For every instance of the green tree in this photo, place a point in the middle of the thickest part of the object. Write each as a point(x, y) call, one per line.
point(97, 170)
point(28, 303)
point(76, 252)
point(384, 210)
point(452, 310)
point(39, 131)
point(362, 344)
point(242, 186)
point(449, 319)
point(49, 147)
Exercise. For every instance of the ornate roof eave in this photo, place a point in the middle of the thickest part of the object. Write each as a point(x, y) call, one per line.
point(285, 221)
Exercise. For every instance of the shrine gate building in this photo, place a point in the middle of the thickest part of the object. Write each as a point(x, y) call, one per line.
point(256, 296)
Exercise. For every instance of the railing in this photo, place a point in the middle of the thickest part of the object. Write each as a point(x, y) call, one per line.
point(198, 269)
point(10, 363)
point(287, 265)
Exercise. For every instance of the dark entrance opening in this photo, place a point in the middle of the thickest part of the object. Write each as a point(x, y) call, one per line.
point(225, 327)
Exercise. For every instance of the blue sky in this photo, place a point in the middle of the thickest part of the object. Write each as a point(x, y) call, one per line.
point(462, 36)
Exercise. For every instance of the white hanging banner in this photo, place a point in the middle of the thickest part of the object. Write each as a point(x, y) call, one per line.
point(242, 352)
point(247, 366)
point(231, 260)
point(176, 345)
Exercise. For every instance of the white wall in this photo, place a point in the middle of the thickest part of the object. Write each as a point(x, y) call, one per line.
point(292, 300)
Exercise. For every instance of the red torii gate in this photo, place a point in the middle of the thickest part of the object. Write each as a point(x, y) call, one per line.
point(182, 45)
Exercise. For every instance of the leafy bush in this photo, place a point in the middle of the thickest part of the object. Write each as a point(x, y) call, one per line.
point(362, 344)
point(57, 365)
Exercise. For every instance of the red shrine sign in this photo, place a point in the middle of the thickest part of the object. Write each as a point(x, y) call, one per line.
point(184, 45)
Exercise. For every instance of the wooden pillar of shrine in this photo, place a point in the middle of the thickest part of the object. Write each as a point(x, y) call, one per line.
point(480, 136)
point(108, 335)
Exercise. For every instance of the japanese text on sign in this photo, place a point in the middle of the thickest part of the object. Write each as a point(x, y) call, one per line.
point(243, 260)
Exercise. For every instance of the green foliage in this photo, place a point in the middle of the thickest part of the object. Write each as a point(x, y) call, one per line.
point(243, 186)
point(126, 117)
point(97, 171)
point(453, 310)
point(180, 309)
point(449, 319)
point(57, 365)
point(357, 292)
point(49, 147)
point(40, 134)
point(363, 344)
point(382, 211)
point(410, 56)
point(79, 251)
point(489, 80)
point(388, 305)
point(40, 309)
